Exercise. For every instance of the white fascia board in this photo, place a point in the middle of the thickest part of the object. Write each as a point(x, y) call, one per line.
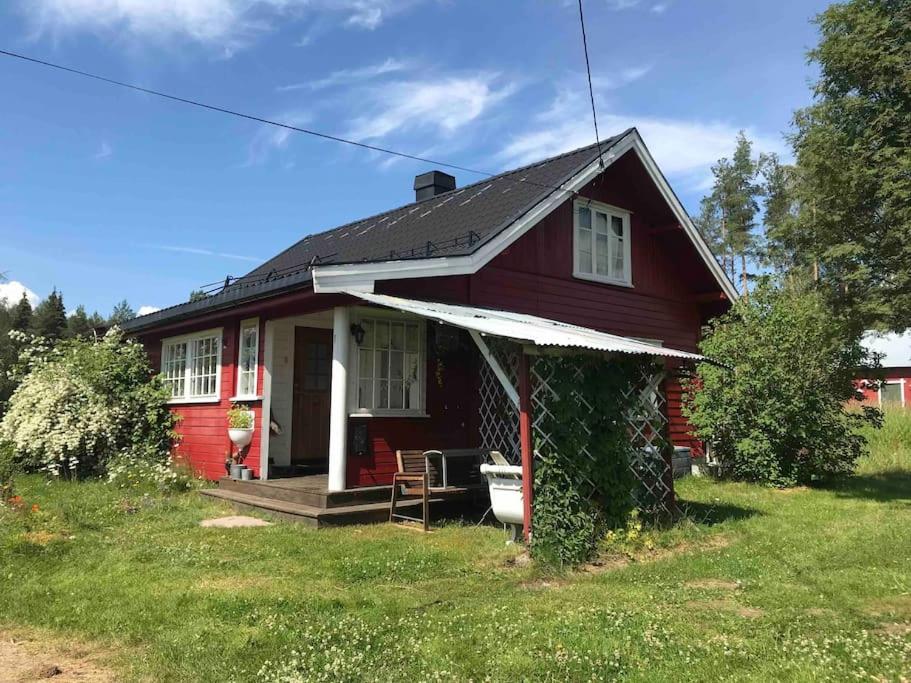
point(363, 276)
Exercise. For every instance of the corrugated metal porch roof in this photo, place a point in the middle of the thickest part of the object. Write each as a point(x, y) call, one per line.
point(523, 328)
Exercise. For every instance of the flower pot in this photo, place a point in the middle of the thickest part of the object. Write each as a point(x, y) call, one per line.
point(246, 474)
point(241, 438)
point(236, 469)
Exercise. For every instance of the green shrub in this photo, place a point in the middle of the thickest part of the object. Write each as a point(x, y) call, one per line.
point(579, 496)
point(84, 402)
point(7, 470)
point(781, 412)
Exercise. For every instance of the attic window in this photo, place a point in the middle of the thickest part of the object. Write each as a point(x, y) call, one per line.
point(601, 243)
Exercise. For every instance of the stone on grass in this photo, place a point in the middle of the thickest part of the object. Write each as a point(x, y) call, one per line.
point(234, 521)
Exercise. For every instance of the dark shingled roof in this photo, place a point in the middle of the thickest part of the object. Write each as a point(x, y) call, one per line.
point(455, 223)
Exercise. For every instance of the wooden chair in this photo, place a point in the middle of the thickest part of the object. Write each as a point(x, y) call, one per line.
point(414, 478)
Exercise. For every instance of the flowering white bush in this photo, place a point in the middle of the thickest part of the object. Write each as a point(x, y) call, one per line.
point(83, 402)
point(134, 468)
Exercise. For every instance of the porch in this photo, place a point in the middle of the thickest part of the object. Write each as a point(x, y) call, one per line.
point(344, 389)
point(307, 500)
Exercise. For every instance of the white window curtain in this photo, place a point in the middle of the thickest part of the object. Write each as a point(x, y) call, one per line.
point(248, 350)
point(191, 366)
point(390, 366)
point(602, 249)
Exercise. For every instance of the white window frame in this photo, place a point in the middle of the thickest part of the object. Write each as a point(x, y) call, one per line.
point(901, 388)
point(188, 339)
point(357, 317)
point(611, 211)
point(255, 395)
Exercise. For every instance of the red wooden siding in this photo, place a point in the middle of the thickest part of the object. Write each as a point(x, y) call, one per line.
point(672, 296)
point(203, 429)
point(871, 396)
point(534, 276)
point(451, 422)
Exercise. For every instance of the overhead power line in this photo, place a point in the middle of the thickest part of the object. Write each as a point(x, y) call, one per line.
point(297, 267)
point(591, 90)
point(270, 122)
point(249, 117)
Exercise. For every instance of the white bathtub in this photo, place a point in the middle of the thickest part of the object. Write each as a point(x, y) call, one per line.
point(505, 482)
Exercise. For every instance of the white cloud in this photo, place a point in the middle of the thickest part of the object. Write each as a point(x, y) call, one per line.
point(12, 291)
point(346, 76)
point(618, 5)
point(683, 148)
point(270, 139)
point(204, 252)
point(660, 7)
point(443, 105)
point(145, 310)
point(227, 24)
point(104, 151)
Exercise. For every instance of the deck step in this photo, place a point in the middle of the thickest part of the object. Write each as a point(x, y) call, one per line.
point(299, 490)
point(309, 514)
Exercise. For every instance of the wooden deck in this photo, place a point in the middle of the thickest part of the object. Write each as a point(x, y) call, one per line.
point(307, 500)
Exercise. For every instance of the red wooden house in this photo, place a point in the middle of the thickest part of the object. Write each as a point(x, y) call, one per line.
point(894, 387)
point(336, 337)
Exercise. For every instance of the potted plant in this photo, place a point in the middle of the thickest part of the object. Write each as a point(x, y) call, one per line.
point(240, 426)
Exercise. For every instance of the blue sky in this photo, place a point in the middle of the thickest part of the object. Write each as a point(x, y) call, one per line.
point(109, 194)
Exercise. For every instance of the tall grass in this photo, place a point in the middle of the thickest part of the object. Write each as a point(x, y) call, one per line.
point(890, 446)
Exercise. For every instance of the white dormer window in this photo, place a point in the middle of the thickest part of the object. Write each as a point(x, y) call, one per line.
point(601, 243)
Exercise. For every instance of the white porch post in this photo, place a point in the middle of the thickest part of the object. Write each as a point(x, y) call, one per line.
point(338, 407)
point(265, 433)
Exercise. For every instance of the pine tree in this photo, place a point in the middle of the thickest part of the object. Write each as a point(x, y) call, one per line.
point(77, 325)
point(729, 212)
point(96, 321)
point(121, 313)
point(49, 319)
point(22, 314)
point(853, 153)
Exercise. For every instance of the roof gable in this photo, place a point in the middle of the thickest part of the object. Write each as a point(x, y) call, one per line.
point(456, 232)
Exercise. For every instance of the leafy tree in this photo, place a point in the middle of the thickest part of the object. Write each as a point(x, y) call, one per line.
point(96, 321)
point(22, 314)
point(121, 313)
point(49, 319)
point(78, 324)
point(197, 295)
point(779, 412)
point(853, 152)
point(84, 404)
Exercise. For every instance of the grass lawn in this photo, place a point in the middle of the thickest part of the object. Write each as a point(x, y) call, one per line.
point(810, 584)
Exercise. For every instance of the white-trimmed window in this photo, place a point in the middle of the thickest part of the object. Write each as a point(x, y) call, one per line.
point(892, 393)
point(247, 354)
point(191, 366)
point(601, 243)
point(390, 367)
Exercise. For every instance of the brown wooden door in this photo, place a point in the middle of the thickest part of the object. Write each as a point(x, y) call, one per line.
point(310, 407)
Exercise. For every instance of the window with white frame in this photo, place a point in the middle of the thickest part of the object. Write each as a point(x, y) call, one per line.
point(191, 365)
point(390, 367)
point(247, 352)
point(892, 393)
point(601, 241)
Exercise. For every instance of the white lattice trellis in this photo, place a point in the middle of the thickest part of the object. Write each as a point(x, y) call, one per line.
point(646, 417)
point(499, 423)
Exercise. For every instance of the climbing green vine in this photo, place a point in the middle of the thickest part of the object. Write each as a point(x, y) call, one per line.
point(578, 497)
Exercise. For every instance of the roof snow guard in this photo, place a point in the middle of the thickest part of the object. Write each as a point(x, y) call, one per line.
point(527, 329)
